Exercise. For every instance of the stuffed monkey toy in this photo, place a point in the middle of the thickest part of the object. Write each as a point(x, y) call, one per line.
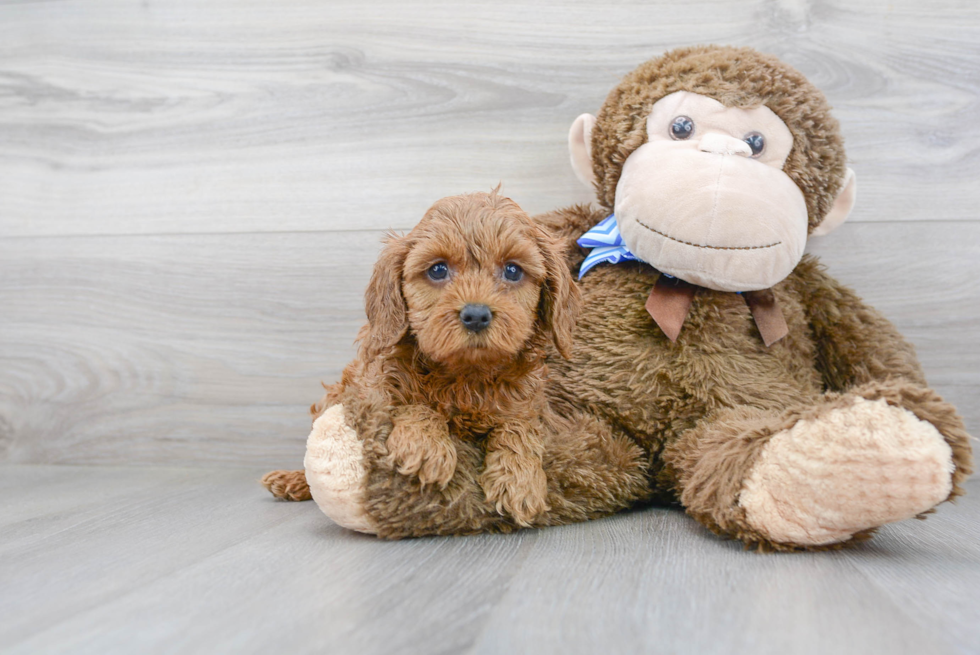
point(768, 400)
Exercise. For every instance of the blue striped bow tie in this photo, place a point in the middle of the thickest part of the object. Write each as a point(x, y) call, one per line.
point(607, 246)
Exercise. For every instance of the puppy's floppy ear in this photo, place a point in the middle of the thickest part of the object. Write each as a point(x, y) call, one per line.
point(383, 301)
point(560, 297)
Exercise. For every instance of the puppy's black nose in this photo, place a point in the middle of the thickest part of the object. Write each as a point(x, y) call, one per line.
point(476, 318)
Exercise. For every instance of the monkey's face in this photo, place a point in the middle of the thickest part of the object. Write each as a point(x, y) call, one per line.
point(705, 199)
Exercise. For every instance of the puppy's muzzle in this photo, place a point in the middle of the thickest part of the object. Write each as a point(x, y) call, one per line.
point(476, 318)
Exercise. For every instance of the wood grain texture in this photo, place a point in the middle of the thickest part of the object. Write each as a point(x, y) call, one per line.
point(210, 348)
point(260, 115)
point(170, 560)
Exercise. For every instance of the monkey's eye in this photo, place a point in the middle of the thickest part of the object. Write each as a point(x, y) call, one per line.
point(438, 271)
point(682, 128)
point(513, 272)
point(757, 142)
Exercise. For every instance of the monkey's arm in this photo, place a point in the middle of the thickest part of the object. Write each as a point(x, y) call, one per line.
point(855, 343)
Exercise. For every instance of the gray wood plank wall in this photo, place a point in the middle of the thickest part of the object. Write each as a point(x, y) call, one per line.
point(192, 193)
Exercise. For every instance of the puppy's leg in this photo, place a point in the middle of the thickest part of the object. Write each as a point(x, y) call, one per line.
point(287, 485)
point(513, 477)
point(420, 443)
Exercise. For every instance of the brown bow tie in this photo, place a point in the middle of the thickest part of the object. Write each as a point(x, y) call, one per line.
point(670, 302)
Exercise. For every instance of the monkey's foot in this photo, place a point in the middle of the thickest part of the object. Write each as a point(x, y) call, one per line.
point(848, 470)
point(336, 472)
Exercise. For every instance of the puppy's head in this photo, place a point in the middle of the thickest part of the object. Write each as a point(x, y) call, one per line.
point(476, 282)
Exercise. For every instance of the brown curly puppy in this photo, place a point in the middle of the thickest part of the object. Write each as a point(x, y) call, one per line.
point(459, 312)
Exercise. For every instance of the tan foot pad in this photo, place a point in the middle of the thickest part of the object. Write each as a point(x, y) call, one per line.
point(852, 469)
point(335, 471)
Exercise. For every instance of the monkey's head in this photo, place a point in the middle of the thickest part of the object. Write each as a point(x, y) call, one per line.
point(717, 162)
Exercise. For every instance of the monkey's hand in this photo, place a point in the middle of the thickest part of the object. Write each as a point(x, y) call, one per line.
point(420, 444)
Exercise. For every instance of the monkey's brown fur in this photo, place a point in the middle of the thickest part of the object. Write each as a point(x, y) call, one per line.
point(705, 407)
point(441, 401)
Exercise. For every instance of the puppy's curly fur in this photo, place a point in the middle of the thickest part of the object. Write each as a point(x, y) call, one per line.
point(439, 380)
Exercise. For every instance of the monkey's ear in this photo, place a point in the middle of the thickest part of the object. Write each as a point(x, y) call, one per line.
point(580, 149)
point(383, 301)
point(843, 204)
point(560, 296)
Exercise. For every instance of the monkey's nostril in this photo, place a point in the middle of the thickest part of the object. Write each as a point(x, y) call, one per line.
point(475, 318)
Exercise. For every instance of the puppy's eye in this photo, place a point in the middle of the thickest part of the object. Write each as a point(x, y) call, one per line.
point(756, 142)
point(513, 272)
point(681, 128)
point(438, 271)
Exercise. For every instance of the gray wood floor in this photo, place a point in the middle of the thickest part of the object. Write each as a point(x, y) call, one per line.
point(192, 193)
point(122, 560)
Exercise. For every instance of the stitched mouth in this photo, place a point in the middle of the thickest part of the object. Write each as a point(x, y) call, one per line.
point(700, 245)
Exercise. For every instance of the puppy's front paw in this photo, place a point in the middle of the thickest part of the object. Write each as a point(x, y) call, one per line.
point(413, 450)
point(516, 484)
